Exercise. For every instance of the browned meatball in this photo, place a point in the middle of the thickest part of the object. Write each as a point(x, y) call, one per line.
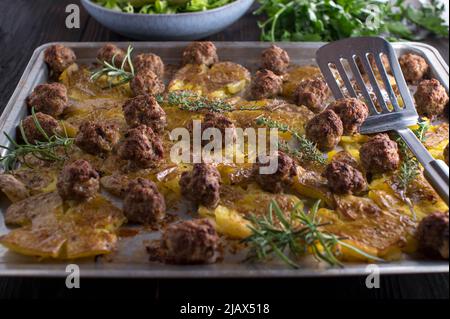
point(49, 99)
point(282, 178)
point(143, 203)
point(275, 59)
point(108, 51)
point(431, 98)
point(47, 123)
point(201, 185)
point(58, 58)
point(373, 64)
point(149, 61)
point(218, 121)
point(266, 84)
point(432, 235)
point(190, 242)
point(97, 138)
point(78, 181)
point(344, 178)
point(200, 53)
point(414, 67)
point(325, 130)
point(144, 109)
point(312, 93)
point(380, 154)
point(353, 113)
point(142, 147)
point(146, 82)
point(446, 154)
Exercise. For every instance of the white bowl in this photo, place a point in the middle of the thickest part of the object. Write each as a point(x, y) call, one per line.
point(179, 26)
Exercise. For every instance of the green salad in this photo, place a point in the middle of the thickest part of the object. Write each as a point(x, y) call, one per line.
point(161, 6)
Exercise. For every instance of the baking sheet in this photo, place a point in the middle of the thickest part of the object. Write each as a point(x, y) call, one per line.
point(131, 261)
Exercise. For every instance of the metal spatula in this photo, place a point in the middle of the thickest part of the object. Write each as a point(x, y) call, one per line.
point(347, 57)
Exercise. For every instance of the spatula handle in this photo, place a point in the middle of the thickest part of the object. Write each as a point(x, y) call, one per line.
point(435, 171)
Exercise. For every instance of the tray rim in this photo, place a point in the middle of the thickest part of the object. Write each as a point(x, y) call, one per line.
point(114, 270)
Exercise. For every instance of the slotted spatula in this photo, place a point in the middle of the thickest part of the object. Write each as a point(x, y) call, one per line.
point(343, 56)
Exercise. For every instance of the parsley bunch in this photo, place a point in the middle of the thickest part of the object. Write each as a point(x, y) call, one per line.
point(329, 20)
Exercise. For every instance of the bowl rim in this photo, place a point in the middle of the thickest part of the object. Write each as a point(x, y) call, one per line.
point(97, 6)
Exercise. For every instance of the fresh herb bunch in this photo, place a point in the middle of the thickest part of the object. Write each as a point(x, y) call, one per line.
point(307, 150)
point(49, 150)
point(329, 20)
point(116, 76)
point(295, 235)
point(191, 101)
point(161, 6)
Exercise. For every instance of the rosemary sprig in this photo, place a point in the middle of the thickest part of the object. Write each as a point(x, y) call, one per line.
point(46, 150)
point(410, 168)
point(193, 102)
point(116, 76)
point(297, 235)
point(307, 150)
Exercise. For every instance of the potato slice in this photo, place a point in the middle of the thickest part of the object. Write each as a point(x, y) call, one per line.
point(14, 189)
point(51, 231)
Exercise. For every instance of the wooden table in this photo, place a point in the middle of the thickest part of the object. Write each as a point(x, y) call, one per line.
point(26, 24)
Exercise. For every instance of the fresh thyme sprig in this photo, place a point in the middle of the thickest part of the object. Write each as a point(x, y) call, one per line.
point(191, 101)
point(48, 150)
point(307, 150)
point(116, 76)
point(296, 235)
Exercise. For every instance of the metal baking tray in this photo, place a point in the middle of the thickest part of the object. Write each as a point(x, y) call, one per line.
point(132, 260)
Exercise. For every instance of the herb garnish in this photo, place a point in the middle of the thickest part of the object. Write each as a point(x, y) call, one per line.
point(410, 168)
point(191, 101)
point(298, 234)
point(116, 76)
point(48, 150)
point(307, 150)
point(319, 20)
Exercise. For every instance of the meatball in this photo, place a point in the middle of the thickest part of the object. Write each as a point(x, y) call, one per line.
point(414, 67)
point(446, 154)
point(144, 109)
point(201, 185)
point(220, 122)
point(146, 82)
point(344, 178)
point(200, 53)
point(325, 130)
point(49, 99)
point(432, 235)
point(373, 64)
point(151, 62)
point(353, 113)
point(142, 147)
point(190, 242)
point(266, 84)
point(110, 51)
point(78, 181)
point(58, 58)
point(312, 93)
point(275, 59)
point(380, 154)
point(431, 98)
point(143, 203)
point(47, 123)
point(97, 138)
point(282, 178)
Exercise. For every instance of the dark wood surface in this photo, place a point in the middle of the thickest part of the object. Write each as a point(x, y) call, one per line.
point(26, 24)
